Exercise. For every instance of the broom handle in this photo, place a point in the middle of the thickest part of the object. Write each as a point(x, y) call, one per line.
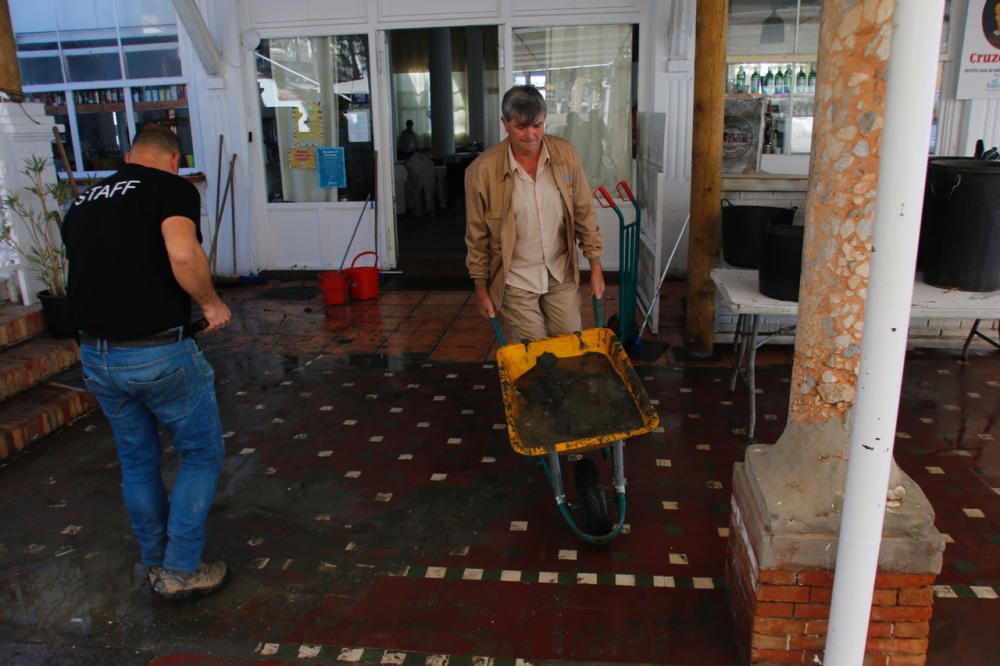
point(357, 224)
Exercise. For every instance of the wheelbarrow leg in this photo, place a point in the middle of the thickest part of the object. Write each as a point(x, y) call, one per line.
point(554, 472)
point(618, 466)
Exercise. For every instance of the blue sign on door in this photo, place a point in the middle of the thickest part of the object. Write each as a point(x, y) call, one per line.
point(330, 166)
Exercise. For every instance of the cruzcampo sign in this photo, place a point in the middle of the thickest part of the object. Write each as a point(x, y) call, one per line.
point(979, 69)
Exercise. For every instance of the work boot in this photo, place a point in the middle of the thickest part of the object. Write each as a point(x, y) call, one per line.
point(208, 577)
point(153, 575)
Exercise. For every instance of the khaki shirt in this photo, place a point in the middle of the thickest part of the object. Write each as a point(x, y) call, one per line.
point(540, 245)
point(490, 229)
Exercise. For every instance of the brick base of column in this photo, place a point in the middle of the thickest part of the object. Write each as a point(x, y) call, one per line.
point(781, 614)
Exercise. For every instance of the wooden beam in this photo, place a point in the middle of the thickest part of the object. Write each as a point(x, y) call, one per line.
point(711, 21)
point(10, 74)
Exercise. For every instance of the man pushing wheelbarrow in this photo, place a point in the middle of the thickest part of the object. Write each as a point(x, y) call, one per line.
point(528, 204)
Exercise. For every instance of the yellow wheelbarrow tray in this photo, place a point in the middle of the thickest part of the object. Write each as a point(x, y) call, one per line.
point(517, 359)
point(514, 361)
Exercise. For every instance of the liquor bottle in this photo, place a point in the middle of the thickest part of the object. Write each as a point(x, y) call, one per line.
point(755, 80)
point(788, 78)
point(800, 81)
point(779, 83)
point(812, 79)
point(741, 80)
point(767, 86)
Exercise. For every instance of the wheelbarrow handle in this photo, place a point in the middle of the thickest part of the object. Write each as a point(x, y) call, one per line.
point(198, 326)
point(498, 330)
point(598, 311)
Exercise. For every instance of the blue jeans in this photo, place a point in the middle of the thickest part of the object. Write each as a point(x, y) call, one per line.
point(171, 384)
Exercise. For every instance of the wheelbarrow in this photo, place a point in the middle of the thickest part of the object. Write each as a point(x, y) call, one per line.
point(514, 361)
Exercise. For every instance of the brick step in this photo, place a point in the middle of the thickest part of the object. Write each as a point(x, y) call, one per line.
point(28, 363)
point(38, 412)
point(19, 323)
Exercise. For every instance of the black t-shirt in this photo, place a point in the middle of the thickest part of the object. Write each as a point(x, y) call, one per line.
point(121, 285)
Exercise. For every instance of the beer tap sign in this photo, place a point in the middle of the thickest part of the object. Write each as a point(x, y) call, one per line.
point(979, 69)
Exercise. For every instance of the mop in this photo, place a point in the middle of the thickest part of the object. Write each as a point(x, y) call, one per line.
point(655, 348)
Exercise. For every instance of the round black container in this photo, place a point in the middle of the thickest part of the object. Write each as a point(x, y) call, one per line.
point(925, 246)
point(55, 310)
point(780, 261)
point(741, 229)
point(960, 232)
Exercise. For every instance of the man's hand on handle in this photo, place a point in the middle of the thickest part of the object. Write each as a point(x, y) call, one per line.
point(596, 278)
point(217, 314)
point(486, 307)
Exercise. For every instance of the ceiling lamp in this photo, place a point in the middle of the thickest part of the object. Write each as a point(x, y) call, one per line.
point(773, 29)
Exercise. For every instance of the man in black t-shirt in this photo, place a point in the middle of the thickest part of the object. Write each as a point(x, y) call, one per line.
point(135, 263)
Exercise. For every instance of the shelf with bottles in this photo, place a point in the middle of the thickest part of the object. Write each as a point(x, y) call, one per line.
point(772, 79)
point(110, 100)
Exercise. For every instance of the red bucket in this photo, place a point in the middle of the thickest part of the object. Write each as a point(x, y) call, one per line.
point(363, 280)
point(334, 286)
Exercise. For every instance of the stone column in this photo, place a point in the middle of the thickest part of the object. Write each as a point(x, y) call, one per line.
point(442, 107)
point(787, 498)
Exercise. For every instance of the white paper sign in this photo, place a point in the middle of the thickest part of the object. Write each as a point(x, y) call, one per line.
point(979, 70)
point(358, 127)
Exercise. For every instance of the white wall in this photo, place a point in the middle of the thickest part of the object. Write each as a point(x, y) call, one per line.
point(275, 236)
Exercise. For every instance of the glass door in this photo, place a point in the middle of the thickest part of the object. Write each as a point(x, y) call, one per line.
point(433, 137)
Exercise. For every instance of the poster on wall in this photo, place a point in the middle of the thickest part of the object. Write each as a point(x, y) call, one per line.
point(979, 70)
point(742, 135)
point(330, 161)
point(302, 158)
point(308, 129)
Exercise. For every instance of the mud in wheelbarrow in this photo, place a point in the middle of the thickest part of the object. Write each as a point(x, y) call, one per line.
point(598, 356)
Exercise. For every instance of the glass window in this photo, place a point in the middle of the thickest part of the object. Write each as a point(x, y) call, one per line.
point(93, 66)
point(585, 75)
point(103, 127)
point(314, 94)
point(166, 105)
point(37, 70)
point(773, 27)
point(151, 58)
point(473, 66)
point(61, 42)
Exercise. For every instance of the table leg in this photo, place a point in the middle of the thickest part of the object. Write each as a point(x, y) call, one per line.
point(751, 376)
point(739, 350)
point(974, 333)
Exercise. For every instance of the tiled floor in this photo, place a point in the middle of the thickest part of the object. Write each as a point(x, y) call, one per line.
point(372, 510)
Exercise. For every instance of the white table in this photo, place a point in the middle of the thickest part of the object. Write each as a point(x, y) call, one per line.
point(739, 289)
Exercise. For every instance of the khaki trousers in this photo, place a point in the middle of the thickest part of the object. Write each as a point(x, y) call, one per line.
point(534, 316)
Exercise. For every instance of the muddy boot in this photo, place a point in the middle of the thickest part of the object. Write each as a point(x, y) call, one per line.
point(208, 577)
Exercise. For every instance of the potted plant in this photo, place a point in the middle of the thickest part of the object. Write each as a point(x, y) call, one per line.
point(43, 248)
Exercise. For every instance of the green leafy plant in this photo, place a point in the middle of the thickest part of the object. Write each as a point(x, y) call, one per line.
point(43, 249)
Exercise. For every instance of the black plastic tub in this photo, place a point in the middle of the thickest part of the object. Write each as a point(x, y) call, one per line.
point(741, 229)
point(780, 261)
point(960, 231)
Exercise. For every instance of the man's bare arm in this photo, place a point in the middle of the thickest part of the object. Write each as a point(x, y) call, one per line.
point(190, 268)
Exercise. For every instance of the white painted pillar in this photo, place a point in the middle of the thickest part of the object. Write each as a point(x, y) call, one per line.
point(442, 108)
point(902, 166)
point(475, 71)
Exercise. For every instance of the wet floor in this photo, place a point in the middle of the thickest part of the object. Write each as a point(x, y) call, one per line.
point(372, 511)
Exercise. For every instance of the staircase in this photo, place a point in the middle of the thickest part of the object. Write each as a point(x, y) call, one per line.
point(33, 400)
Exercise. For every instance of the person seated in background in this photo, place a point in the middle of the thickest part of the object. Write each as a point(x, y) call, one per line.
point(406, 144)
point(420, 183)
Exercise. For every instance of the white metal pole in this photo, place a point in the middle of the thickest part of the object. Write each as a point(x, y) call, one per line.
point(902, 168)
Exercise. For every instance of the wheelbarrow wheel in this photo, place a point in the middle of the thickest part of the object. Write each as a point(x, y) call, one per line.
point(591, 497)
